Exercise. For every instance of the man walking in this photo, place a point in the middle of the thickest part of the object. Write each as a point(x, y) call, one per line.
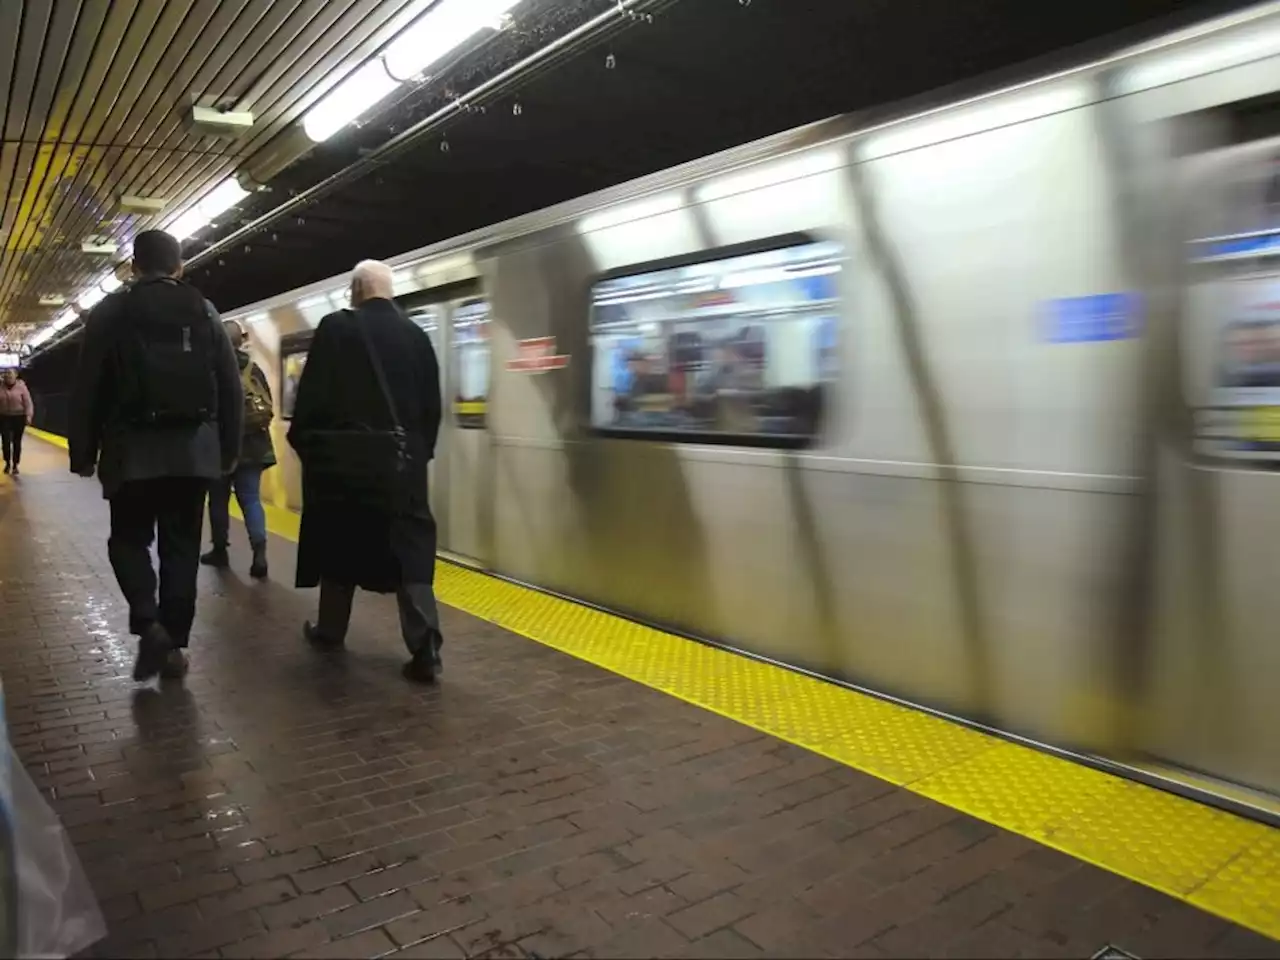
point(364, 425)
point(156, 408)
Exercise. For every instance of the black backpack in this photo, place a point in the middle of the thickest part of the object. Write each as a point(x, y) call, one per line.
point(167, 355)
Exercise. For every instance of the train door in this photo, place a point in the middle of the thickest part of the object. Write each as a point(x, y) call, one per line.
point(1216, 657)
point(466, 493)
point(433, 318)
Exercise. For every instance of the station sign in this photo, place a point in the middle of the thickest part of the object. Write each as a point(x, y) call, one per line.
point(537, 356)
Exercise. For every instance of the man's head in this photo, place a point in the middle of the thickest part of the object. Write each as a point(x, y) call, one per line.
point(156, 254)
point(10, 376)
point(371, 280)
point(235, 333)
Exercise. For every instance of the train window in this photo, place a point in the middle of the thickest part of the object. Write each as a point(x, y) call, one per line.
point(735, 350)
point(429, 319)
point(471, 364)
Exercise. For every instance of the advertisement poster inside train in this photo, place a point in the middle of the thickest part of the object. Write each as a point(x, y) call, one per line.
point(738, 347)
point(292, 364)
point(1243, 415)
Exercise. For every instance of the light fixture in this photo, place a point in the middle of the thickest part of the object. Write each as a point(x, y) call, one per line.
point(221, 198)
point(90, 299)
point(348, 100)
point(53, 300)
point(446, 27)
point(110, 284)
point(187, 224)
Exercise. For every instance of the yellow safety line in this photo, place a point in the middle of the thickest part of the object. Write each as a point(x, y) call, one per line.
point(1220, 862)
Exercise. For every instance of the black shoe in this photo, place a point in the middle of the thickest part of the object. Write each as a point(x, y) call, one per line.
point(217, 557)
point(175, 665)
point(154, 647)
point(258, 569)
point(421, 669)
point(437, 641)
point(8, 468)
point(317, 639)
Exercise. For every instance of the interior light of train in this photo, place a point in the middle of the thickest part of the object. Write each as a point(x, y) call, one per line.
point(1209, 56)
point(348, 100)
point(446, 27)
point(1002, 111)
point(641, 210)
point(757, 178)
point(188, 224)
point(221, 198)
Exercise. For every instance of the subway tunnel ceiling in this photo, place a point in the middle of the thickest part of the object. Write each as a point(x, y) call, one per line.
point(98, 91)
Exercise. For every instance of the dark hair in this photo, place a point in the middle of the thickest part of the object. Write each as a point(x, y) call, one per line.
point(155, 251)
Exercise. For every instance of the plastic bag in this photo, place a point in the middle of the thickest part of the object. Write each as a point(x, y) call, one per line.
point(49, 908)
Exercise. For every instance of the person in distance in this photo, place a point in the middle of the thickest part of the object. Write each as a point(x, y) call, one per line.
point(16, 414)
point(156, 409)
point(365, 423)
point(256, 457)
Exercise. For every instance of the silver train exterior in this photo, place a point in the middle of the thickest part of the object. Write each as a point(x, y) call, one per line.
point(1004, 512)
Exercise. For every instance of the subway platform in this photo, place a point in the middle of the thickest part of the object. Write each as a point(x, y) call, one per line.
point(575, 786)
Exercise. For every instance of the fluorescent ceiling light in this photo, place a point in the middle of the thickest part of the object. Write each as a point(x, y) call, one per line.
point(64, 320)
point(110, 284)
point(90, 298)
point(446, 27)
point(221, 198)
point(348, 100)
point(188, 224)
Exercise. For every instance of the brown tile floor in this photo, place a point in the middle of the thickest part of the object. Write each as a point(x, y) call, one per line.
point(287, 804)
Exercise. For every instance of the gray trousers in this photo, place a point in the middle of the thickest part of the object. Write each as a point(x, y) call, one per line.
point(419, 616)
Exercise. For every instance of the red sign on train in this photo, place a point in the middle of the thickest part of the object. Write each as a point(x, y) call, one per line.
point(537, 356)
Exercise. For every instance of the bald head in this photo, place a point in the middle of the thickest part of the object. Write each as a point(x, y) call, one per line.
point(371, 280)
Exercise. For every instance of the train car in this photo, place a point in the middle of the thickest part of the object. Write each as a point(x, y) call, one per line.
point(944, 407)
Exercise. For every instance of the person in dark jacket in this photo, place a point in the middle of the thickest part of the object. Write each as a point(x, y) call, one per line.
point(156, 467)
point(256, 457)
point(343, 544)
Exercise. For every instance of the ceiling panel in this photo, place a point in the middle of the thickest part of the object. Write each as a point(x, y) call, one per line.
point(96, 102)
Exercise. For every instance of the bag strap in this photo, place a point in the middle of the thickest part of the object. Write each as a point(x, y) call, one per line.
point(377, 368)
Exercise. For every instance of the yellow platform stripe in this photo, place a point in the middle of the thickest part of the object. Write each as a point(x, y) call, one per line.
point(1220, 862)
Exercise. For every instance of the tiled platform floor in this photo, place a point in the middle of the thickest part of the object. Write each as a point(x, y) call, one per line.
point(286, 804)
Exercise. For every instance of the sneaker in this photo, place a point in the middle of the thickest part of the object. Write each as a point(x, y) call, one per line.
point(317, 639)
point(258, 569)
point(217, 557)
point(175, 665)
point(421, 669)
point(437, 641)
point(154, 647)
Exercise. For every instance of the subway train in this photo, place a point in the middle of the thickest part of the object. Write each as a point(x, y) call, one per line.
point(974, 408)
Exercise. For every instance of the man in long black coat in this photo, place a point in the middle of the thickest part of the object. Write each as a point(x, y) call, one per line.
point(345, 545)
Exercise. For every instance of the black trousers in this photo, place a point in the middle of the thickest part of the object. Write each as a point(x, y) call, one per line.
point(419, 615)
point(169, 510)
point(12, 426)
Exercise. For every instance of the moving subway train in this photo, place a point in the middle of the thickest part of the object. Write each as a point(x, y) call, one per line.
point(976, 409)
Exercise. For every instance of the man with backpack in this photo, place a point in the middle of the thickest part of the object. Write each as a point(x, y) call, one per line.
point(156, 408)
point(256, 456)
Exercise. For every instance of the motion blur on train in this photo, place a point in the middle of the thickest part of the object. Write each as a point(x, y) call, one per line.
point(978, 409)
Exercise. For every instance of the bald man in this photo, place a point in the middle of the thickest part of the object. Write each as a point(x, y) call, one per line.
point(366, 520)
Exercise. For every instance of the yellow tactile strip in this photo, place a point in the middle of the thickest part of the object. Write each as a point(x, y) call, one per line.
point(1215, 860)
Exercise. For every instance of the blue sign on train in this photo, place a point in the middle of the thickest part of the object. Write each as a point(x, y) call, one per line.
point(1105, 316)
